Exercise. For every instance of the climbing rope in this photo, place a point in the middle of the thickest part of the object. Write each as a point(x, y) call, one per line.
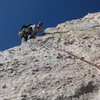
point(60, 49)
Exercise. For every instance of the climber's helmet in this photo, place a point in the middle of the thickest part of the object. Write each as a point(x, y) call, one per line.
point(40, 24)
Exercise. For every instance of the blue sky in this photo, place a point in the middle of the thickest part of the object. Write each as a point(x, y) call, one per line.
point(15, 13)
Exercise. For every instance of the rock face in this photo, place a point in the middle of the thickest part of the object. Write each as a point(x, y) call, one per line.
point(39, 71)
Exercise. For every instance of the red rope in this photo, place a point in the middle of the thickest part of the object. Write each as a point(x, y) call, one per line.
point(81, 58)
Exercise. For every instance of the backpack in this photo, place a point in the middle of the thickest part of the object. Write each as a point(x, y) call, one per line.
point(30, 29)
point(25, 26)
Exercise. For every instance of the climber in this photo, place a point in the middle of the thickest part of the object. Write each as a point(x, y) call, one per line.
point(30, 31)
point(23, 33)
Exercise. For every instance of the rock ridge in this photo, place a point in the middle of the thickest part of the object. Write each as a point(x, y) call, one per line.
point(36, 71)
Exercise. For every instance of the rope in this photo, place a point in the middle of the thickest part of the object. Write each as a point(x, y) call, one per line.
point(80, 58)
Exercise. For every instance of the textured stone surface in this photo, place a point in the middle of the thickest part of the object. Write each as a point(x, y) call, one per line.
point(36, 71)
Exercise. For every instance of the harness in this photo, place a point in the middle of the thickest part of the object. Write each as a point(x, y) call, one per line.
point(22, 33)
